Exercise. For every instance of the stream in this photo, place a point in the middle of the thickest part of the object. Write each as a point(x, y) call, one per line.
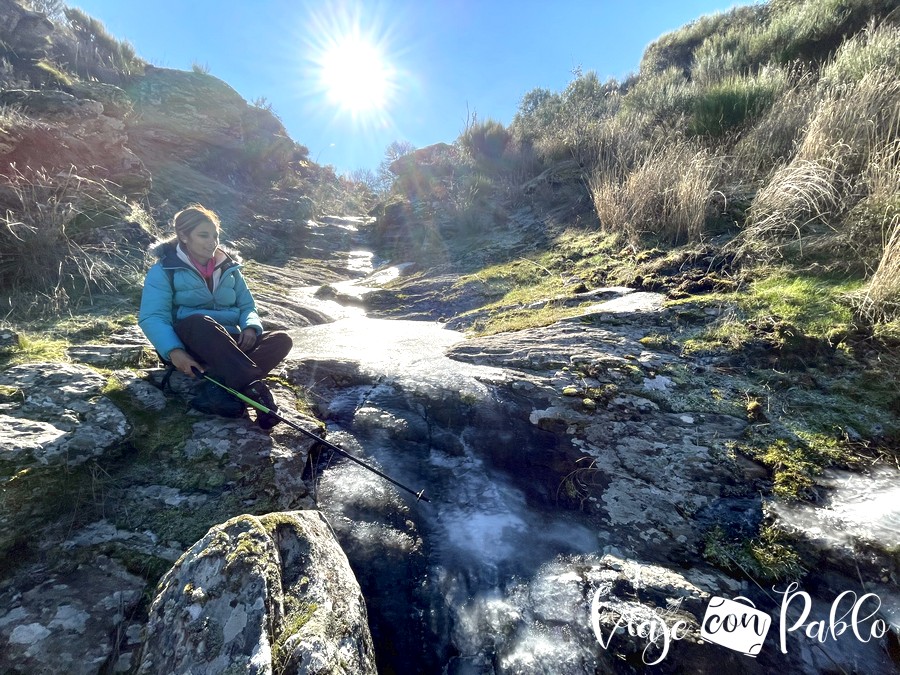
point(435, 575)
point(480, 532)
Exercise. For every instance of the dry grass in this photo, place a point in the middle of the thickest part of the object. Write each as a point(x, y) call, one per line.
point(877, 47)
point(852, 119)
point(835, 168)
point(667, 195)
point(798, 195)
point(881, 300)
point(878, 216)
point(54, 236)
point(771, 142)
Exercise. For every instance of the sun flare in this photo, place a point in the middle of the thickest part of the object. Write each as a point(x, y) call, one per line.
point(356, 76)
point(354, 65)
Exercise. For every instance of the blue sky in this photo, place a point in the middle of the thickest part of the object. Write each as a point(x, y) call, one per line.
point(429, 66)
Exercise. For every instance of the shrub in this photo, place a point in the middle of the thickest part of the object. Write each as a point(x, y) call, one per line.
point(563, 126)
point(664, 95)
point(535, 116)
point(735, 101)
point(485, 141)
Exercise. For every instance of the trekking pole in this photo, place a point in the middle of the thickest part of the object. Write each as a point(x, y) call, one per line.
point(420, 495)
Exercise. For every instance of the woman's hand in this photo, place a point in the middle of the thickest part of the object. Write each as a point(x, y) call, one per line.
point(247, 339)
point(183, 361)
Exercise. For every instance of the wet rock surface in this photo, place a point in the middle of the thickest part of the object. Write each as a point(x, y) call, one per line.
point(576, 473)
point(589, 419)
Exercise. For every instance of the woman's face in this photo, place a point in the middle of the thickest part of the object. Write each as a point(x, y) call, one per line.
point(202, 241)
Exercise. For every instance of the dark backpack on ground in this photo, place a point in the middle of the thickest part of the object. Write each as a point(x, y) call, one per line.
point(213, 400)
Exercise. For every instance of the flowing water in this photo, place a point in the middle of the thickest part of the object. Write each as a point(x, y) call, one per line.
point(434, 574)
point(479, 534)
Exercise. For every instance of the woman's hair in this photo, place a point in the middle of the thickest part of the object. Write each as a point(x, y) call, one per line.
point(186, 220)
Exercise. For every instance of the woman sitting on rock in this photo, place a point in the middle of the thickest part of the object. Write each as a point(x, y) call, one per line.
point(197, 312)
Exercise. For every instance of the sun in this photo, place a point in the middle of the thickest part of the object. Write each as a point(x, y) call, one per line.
point(356, 76)
point(353, 65)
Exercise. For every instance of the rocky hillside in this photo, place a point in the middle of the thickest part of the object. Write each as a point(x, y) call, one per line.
point(98, 149)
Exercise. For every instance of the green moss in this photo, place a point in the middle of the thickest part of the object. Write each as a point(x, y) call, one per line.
point(604, 393)
point(303, 401)
point(765, 558)
point(34, 348)
point(514, 285)
point(248, 549)
point(188, 525)
point(796, 463)
point(658, 341)
point(297, 615)
point(467, 398)
point(815, 306)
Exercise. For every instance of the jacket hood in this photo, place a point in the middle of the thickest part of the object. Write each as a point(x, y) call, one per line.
point(163, 248)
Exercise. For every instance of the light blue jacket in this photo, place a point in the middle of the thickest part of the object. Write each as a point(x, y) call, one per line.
point(173, 290)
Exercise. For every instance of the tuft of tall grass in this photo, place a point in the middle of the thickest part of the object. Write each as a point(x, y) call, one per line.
point(666, 195)
point(876, 47)
point(877, 216)
point(772, 140)
point(851, 124)
point(54, 234)
point(810, 29)
point(851, 119)
point(720, 56)
point(92, 52)
point(880, 302)
point(798, 195)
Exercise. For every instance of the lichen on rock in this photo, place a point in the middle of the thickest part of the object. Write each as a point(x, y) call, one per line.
point(275, 594)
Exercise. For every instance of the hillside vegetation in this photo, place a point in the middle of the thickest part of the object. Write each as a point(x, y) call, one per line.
point(761, 141)
point(750, 171)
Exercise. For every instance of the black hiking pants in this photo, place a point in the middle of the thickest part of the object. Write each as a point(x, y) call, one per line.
point(210, 344)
